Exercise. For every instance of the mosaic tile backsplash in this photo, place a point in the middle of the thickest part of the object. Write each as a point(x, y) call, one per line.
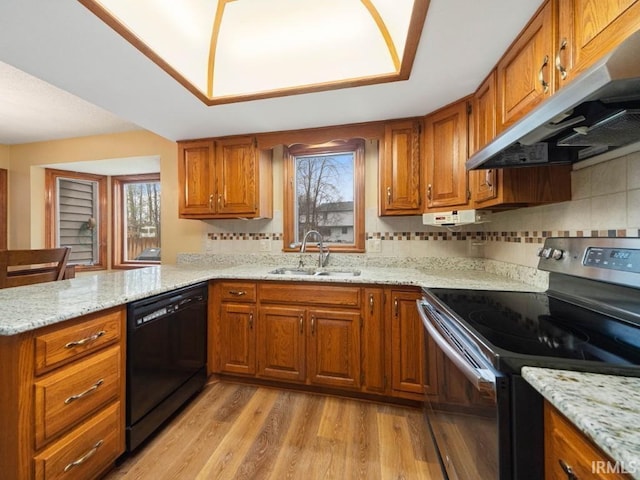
point(517, 237)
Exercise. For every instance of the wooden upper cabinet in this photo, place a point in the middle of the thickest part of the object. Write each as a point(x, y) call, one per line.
point(511, 187)
point(225, 178)
point(236, 177)
point(588, 29)
point(445, 147)
point(400, 169)
point(482, 129)
point(526, 71)
point(196, 177)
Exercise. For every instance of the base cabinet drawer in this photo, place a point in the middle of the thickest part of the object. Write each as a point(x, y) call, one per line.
point(86, 451)
point(68, 396)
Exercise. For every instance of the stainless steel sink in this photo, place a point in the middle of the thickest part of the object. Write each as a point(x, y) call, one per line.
point(315, 272)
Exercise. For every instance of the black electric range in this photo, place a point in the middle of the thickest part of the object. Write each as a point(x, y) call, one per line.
point(587, 320)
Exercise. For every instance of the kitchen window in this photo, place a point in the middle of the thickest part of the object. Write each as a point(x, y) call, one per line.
point(75, 216)
point(136, 220)
point(324, 191)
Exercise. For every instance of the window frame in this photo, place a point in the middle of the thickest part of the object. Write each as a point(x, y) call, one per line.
point(354, 145)
point(52, 214)
point(117, 200)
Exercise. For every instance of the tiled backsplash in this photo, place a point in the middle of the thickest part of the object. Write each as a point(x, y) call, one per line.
point(605, 203)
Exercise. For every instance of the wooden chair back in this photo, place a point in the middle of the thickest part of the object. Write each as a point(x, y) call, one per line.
point(25, 267)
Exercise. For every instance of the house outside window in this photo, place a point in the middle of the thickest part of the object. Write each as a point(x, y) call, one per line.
point(76, 216)
point(324, 191)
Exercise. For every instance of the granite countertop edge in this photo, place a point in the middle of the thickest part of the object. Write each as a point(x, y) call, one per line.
point(30, 307)
point(603, 407)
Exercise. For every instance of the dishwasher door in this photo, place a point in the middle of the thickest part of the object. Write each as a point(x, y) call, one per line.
point(166, 357)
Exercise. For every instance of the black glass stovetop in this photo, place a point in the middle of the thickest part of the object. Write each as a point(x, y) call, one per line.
point(521, 328)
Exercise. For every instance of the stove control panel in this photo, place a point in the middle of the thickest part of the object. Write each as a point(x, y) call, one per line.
point(621, 259)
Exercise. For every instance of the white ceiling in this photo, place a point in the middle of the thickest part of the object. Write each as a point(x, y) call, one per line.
point(119, 89)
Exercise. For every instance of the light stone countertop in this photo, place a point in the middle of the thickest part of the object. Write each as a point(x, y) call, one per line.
point(606, 408)
point(33, 306)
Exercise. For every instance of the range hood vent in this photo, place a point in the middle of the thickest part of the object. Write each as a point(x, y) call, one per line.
point(598, 112)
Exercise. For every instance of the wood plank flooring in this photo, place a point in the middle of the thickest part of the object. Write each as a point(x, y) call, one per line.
point(235, 431)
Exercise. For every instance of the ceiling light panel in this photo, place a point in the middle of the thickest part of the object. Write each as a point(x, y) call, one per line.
point(232, 50)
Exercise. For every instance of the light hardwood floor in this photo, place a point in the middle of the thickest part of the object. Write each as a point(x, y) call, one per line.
point(234, 431)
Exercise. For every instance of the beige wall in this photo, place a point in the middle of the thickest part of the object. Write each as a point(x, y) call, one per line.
point(26, 180)
point(4, 156)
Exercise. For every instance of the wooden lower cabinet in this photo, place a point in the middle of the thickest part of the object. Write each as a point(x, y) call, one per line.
point(281, 343)
point(408, 376)
point(232, 336)
point(334, 348)
point(313, 345)
point(364, 339)
point(570, 454)
point(62, 398)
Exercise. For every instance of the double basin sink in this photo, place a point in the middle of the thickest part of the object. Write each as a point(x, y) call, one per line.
point(314, 272)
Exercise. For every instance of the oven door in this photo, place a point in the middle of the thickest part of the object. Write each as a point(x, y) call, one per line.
point(469, 416)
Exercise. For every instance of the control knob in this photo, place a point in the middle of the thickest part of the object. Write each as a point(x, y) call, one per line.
point(557, 254)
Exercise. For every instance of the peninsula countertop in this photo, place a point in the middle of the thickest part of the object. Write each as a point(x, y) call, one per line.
point(606, 408)
point(34, 306)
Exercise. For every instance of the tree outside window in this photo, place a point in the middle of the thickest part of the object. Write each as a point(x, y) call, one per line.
point(324, 192)
point(137, 219)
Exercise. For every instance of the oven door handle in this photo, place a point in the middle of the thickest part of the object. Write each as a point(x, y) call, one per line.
point(482, 379)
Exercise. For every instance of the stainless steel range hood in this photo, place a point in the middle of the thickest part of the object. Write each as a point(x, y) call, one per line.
point(598, 112)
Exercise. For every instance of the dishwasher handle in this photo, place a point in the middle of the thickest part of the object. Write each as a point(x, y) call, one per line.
point(482, 378)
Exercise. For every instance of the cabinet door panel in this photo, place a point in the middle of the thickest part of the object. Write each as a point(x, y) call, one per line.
point(236, 173)
point(281, 343)
point(196, 170)
point(407, 337)
point(446, 154)
point(520, 87)
point(238, 347)
point(400, 169)
point(334, 348)
point(588, 29)
point(374, 355)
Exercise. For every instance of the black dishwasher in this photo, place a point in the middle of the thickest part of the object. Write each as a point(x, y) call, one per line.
point(166, 357)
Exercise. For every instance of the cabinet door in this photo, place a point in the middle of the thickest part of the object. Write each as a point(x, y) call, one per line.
point(407, 344)
point(483, 129)
point(281, 343)
point(588, 29)
point(526, 72)
point(238, 340)
point(195, 173)
point(374, 354)
point(446, 154)
point(334, 348)
point(237, 177)
point(400, 169)
point(567, 449)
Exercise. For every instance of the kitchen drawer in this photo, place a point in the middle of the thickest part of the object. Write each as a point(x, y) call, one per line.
point(69, 395)
point(568, 450)
point(310, 294)
point(81, 337)
point(237, 292)
point(86, 452)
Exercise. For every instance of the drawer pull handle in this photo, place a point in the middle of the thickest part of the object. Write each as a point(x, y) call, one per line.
point(237, 293)
point(543, 83)
point(89, 390)
point(371, 304)
point(559, 66)
point(568, 470)
point(85, 457)
point(84, 341)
